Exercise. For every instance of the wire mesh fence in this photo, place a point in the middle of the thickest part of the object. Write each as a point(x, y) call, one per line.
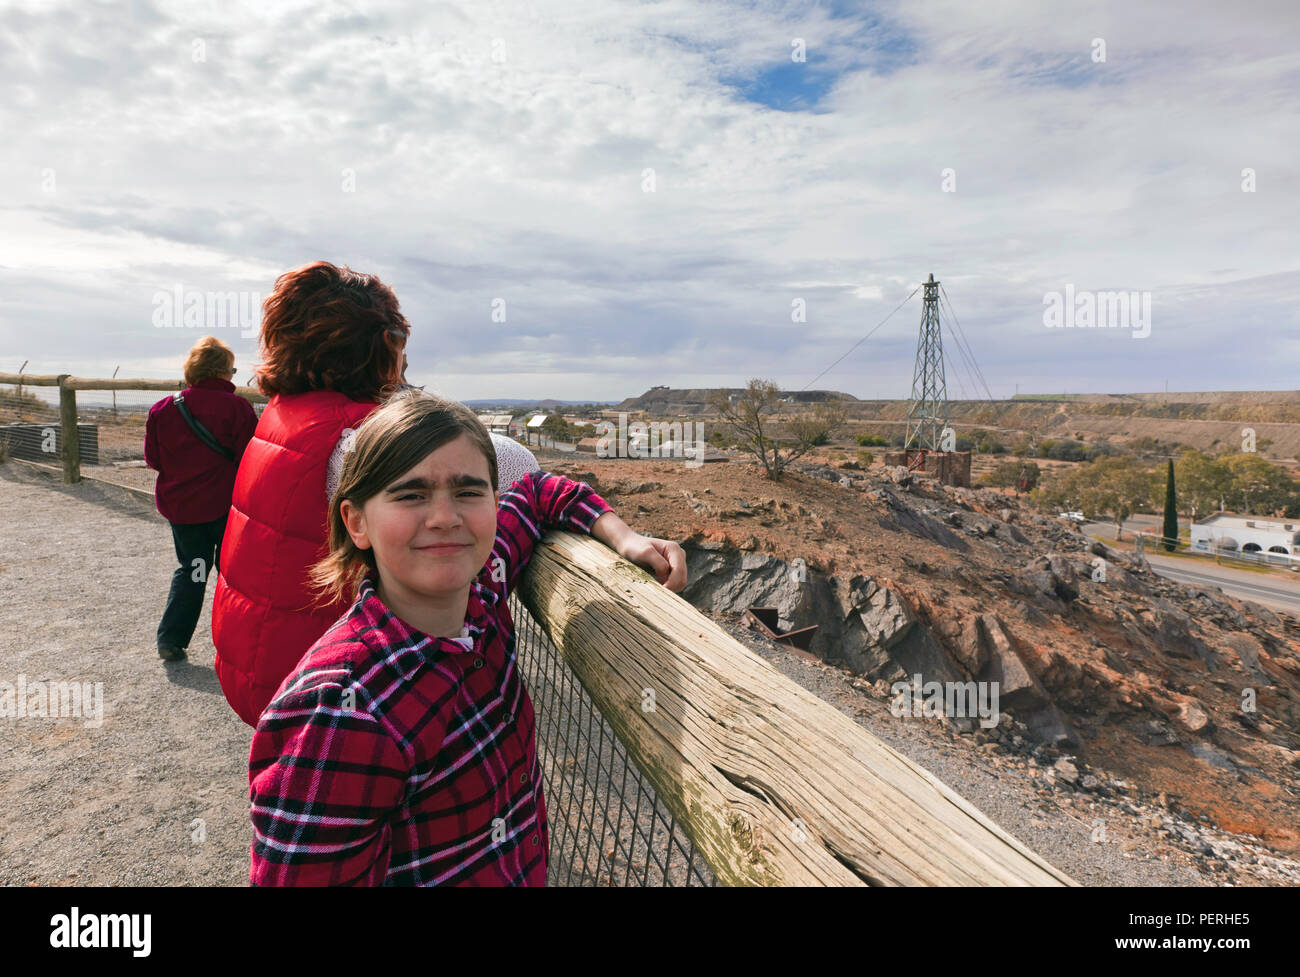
point(607, 825)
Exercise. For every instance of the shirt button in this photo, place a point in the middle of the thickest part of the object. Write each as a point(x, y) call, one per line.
point(523, 778)
point(478, 662)
point(535, 841)
point(510, 718)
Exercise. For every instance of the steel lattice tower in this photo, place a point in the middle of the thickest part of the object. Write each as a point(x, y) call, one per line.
point(927, 414)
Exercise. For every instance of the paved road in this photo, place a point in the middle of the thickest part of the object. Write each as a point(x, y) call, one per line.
point(1279, 590)
point(1137, 524)
point(1274, 590)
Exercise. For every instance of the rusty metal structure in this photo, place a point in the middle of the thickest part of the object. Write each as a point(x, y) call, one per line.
point(927, 414)
point(930, 443)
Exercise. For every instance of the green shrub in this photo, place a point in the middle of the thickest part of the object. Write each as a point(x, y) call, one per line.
point(871, 441)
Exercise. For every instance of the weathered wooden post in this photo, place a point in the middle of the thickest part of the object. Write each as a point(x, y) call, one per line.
point(68, 431)
point(773, 785)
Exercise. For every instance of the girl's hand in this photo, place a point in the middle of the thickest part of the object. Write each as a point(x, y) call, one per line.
point(663, 558)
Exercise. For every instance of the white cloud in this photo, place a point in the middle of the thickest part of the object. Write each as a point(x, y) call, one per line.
point(522, 178)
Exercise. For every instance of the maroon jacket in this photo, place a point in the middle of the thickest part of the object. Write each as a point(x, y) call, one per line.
point(194, 482)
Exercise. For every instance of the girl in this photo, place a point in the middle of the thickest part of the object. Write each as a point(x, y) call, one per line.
point(401, 750)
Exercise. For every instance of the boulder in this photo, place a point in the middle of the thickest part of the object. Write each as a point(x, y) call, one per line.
point(1193, 717)
point(882, 638)
point(969, 647)
point(1018, 690)
point(876, 621)
point(1065, 770)
point(1098, 548)
point(1247, 649)
point(1171, 631)
point(1053, 576)
point(900, 476)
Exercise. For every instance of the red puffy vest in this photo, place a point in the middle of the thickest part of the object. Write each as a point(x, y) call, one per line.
point(263, 616)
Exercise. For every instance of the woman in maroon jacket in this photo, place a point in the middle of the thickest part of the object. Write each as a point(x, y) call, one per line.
point(195, 480)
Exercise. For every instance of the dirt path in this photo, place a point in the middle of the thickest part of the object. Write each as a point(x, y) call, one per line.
point(157, 794)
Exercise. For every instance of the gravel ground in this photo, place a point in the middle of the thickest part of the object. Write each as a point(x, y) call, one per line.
point(157, 793)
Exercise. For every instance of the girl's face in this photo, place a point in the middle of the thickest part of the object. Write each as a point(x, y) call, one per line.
point(432, 529)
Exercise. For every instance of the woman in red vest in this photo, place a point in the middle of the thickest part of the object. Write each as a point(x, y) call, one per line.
point(332, 346)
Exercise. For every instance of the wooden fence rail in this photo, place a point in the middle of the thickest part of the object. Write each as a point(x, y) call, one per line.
point(773, 785)
point(69, 449)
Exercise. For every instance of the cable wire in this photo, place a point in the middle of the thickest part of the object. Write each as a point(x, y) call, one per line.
point(964, 342)
point(960, 335)
point(862, 340)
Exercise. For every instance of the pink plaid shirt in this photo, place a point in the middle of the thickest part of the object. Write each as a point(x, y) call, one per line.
point(390, 757)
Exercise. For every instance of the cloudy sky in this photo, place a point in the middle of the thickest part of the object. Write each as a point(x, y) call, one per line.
point(651, 191)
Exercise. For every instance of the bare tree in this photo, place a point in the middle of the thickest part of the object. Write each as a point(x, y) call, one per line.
point(751, 416)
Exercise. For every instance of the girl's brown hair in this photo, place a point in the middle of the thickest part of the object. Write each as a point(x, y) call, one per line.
point(390, 442)
point(329, 328)
point(209, 358)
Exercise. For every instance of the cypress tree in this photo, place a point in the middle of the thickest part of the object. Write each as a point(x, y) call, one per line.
point(1170, 529)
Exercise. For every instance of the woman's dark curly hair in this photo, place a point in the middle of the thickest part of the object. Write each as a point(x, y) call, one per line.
point(329, 328)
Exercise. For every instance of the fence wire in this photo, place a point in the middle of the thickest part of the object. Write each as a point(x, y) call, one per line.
point(607, 825)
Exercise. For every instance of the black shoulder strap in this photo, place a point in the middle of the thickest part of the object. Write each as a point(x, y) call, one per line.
point(197, 427)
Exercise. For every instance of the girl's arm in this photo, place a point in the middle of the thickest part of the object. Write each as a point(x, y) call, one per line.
point(664, 559)
point(535, 503)
point(324, 779)
point(540, 501)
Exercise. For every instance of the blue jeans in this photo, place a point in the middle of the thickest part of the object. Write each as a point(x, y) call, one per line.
point(198, 546)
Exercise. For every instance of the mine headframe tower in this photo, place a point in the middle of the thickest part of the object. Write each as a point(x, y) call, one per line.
point(927, 449)
point(927, 413)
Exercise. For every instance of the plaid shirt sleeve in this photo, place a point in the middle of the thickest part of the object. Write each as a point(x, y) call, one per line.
point(324, 780)
point(538, 502)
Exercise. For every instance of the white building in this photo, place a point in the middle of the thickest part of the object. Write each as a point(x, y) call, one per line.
point(1224, 533)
